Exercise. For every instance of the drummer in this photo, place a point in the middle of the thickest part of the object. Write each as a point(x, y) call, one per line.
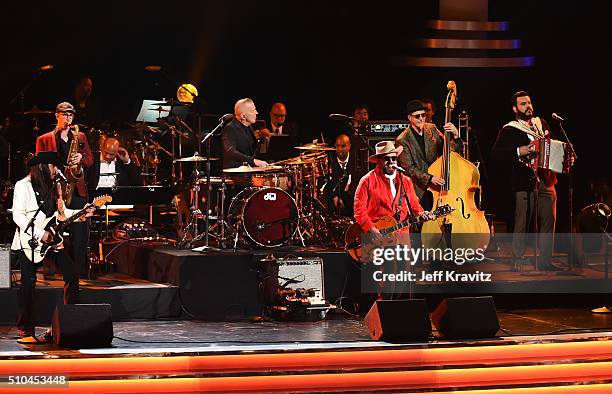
point(240, 142)
point(108, 172)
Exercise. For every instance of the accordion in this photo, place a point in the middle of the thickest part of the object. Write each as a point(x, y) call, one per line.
point(552, 155)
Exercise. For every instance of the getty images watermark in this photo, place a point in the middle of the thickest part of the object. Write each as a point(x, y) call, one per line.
point(403, 254)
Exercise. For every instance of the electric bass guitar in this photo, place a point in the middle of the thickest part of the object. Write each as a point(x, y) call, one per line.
point(387, 225)
point(55, 227)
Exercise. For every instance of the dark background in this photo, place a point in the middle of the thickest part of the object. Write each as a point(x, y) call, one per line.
point(318, 57)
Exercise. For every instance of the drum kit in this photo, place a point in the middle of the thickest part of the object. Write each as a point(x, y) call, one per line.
point(271, 206)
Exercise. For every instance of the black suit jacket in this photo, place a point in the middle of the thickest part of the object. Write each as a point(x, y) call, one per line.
point(338, 180)
point(505, 150)
point(239, 144)
point(129, 174)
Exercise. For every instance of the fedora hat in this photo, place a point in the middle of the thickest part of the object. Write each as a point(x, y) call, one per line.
point(384, 148)
point(45, 158)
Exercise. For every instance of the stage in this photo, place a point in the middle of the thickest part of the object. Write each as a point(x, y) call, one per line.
point(539, 351)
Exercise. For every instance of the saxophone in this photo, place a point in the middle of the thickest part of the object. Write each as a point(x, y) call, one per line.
point(73, 172)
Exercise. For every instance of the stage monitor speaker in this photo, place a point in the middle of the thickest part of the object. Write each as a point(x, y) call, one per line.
point(466, 317)
point(82, 325)
point(399, 320)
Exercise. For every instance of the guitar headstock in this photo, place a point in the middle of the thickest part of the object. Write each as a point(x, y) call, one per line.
point(102, 200)
point(451, 97)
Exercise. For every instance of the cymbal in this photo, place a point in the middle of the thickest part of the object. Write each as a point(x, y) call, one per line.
point(171, 102)
point(35, 111)
point(196, 158)
point(159, 109)
point(312, 146)
point(243, 169)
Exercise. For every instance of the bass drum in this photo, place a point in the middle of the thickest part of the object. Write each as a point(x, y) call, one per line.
point(266, 216)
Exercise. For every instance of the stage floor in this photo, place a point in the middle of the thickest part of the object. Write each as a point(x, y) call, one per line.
point(337, 331)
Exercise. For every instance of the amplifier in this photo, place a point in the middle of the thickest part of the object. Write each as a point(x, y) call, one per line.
point(301, 273)
point(384, 126)
point(5, 266)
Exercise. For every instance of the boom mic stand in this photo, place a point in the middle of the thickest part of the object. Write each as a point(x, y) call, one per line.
point(207, 140)
point(570, 203)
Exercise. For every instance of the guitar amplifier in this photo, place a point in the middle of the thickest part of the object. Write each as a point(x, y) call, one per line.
point(301, 273)
point(5, 266)
point(391, 127)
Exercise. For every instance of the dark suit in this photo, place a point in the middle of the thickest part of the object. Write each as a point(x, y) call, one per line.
point(129, 174)
point(337, 184)
point(523, 183)
point(239, 144)
point(414, 160)
point(283, 148)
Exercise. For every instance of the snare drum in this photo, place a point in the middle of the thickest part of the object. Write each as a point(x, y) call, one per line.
point(267, 216)
point(271, 179)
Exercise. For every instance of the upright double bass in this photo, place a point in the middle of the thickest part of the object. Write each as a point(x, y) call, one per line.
point(466, 226)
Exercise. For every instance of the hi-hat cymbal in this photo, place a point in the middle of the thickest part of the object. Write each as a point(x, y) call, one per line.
point(312, 146)
point(196, 158)
point(35, 111)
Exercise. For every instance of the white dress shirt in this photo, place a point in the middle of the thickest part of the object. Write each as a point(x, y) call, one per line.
point(107, 180)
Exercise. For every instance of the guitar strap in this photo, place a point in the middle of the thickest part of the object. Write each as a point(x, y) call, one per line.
point(402, 192)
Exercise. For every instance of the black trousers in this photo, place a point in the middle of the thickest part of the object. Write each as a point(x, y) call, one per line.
point(26, 317)
point(79, 233)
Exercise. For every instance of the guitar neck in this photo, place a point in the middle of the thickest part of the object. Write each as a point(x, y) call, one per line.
point(72, 218)
point(400, 226)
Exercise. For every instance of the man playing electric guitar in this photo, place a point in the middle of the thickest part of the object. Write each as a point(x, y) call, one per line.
point(40, 189)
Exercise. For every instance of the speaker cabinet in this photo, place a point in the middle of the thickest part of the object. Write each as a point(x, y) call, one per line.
point(399, 320)
point(466, 317)
point(83, 326)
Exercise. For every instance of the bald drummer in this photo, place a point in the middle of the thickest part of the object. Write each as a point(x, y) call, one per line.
point(240, 141)
point(114, 161)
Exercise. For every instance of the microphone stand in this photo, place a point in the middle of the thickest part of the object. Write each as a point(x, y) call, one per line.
point(206, 247)
point(570, 203)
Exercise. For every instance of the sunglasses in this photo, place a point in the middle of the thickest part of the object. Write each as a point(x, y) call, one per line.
point(390, 158)
point(420, 115)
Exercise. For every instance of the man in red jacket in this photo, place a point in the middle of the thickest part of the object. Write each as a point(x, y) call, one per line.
point(385, 191)
point(59, 140)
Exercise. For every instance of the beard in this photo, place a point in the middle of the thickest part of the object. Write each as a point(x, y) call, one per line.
point(524, 116)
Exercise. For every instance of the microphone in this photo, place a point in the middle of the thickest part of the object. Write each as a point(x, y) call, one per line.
point(557, 117)
point(397, 167)
point(226, 118)
point(46, 67)
point(340, 117)
point(61, 175)
point(153, 68)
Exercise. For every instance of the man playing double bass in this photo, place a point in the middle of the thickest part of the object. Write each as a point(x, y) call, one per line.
point(422, 143)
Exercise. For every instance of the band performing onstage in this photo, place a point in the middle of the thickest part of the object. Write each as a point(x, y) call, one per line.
point(245, 184)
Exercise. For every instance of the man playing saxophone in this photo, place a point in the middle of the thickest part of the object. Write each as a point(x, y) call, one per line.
point(78, 158)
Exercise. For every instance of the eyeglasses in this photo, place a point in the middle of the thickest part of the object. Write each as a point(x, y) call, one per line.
point(67, 114)
point(390, 158)
point(420, 115)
